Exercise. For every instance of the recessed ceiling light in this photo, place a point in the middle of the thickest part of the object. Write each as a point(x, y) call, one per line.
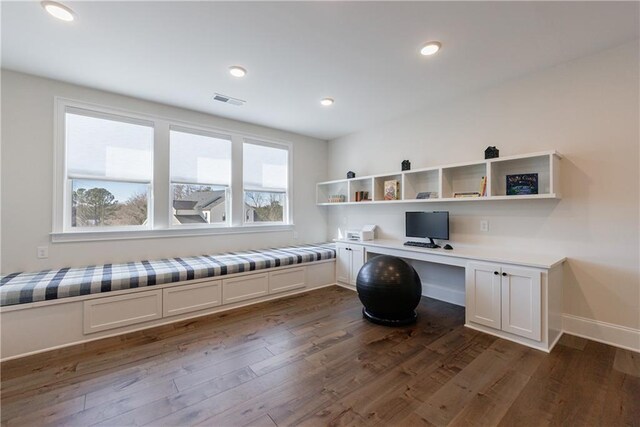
point(327, 101)
point(430, 48)
point(58, 10)
point(237, 71)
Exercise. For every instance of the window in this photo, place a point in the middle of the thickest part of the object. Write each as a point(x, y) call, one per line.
point(109, 170)
point(122, 175)
point(265, 180)
point(200, 177)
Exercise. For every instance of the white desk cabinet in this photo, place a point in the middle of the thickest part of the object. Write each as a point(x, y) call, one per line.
point(483, 295)
point(512, 295)
point(350, 259)
point(505, 297)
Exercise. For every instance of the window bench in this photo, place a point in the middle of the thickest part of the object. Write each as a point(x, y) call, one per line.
point(56, 308)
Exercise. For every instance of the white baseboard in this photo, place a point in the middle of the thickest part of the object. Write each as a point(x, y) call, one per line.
point(607, 333)
point(443, 293)
point(350, 287)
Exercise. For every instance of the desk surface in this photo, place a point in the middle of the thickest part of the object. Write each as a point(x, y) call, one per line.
point(471, 252)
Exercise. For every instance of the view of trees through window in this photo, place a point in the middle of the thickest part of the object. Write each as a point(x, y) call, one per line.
point(265, 181)
point(263, 206)
point(96, 203)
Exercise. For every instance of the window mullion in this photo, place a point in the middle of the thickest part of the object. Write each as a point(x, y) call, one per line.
point(161, 188)
point(237, 192)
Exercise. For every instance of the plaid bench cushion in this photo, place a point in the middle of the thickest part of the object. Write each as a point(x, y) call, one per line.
point(23, 288)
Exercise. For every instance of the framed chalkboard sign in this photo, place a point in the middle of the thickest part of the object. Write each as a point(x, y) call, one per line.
point(522, 184)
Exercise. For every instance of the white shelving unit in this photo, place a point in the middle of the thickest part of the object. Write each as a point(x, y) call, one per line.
point(449, 179)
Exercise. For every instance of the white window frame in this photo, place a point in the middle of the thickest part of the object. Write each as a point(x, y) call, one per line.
point(160, 199)
point(197, 130)
point(63, 186)
point(287, 211)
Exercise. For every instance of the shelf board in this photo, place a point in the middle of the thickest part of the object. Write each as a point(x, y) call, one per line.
point(451, 177)
point(525, 197)
point(451, 165)
point(449, 199)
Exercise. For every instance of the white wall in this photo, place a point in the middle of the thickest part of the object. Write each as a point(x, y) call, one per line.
point(27, 173)
point(587, 110)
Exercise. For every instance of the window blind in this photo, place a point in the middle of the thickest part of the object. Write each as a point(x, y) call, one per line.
point(265, 167)
point(102, 148)
point(200, 159)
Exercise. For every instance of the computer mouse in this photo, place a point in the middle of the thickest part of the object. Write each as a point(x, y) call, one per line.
point(448, 247)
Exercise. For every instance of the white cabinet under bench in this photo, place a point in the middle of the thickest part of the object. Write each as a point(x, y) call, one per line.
point(121, 310)
point(187, 298)
point(46, 325)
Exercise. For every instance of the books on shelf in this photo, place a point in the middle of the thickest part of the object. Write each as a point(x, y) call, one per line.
point(483, 186)
point(468, 194)
point(427, 195)
point(362, 196)
point(336, 198)
point(392, 190)
point(522, 184)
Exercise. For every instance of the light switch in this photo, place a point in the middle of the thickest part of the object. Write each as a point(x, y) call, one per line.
point(484, 225)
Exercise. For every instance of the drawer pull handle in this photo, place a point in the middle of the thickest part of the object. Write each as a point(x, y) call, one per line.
point(504, 274)
point(496, 273)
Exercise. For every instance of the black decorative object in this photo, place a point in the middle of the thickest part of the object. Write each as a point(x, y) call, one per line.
point(351, 174)
point(390, 290)
point(491, 153)
point(522, 184)
point(406, 165)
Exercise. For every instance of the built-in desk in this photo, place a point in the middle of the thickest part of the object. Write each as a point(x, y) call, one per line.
point(513, 295)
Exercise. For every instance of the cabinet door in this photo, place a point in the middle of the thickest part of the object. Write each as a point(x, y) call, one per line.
point(101, 314)
point(343, 263)
point(483, 294)
point(187, 298)
point(244, 287)
point(287, 279)
point(521, 299)
point(357, 261)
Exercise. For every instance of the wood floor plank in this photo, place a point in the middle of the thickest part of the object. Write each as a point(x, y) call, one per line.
point(627, 362)
point(113, 408)
point(49, 414)
point(262, 421)
point(312, 346)
point(489, 367)
point(311, 360)
point(174, 403)
point(573, 341)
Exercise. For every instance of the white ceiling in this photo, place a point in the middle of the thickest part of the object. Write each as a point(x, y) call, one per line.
point(365, 55)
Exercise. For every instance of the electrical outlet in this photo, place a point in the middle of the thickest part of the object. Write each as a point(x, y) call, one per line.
point(42, 252)
point(295, 234)
point(484, 225)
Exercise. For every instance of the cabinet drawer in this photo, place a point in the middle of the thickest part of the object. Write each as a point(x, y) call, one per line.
point(287, 279)
point(244, 288)
point(123, 310)
point(187, 298)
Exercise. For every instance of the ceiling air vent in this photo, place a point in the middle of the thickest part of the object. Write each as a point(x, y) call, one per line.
point(227, 99)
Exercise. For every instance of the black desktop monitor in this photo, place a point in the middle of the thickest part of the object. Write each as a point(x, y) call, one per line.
point(428, 225)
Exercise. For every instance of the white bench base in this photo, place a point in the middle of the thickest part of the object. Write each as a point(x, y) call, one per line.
point(48, 325)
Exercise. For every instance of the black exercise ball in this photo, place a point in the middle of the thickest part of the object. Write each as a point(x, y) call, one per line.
point(390, 291)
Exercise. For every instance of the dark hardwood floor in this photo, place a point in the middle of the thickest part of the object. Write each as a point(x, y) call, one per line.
point(312, 360)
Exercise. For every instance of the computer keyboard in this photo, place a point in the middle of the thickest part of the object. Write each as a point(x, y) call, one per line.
point(421, 244)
